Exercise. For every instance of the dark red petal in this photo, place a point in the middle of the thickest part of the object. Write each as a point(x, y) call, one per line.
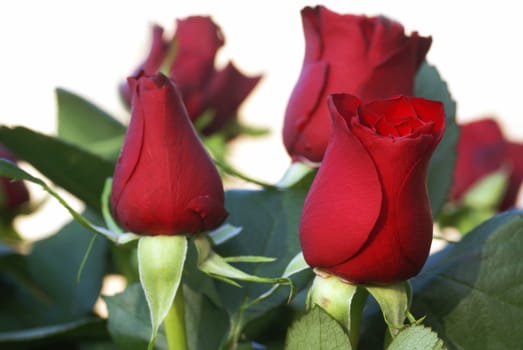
point(387, 40)
point(393, 70)
point(311, 19)
point(414, 223)
point(386, 256)
point(303, 135)
point(224, 93)
point(152, 64)
point(198, 39)
point(157, 52)
point(210, 211)
point(344, 201)
point(430, 112)
point(481, 150)
point(132, 147)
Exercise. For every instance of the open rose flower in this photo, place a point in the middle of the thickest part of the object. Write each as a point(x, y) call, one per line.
point(164, 181)
point(13, 194)
point(482, 150)
point(367, 216)
point(369, 57)
point(190, 60)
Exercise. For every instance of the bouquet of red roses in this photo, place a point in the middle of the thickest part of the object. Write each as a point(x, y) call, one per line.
point(337, 254)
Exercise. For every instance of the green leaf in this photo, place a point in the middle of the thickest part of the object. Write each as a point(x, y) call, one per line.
point(108, 149)
point(14, 270)
point(130, 326)
point(81, 173)
point(430, 85)
point(317, 331)
point(52, 267)
point(86, 125)
point(160, 264)
point(84, 329)
point(471, 292)
point(206, 323)
point(129, 320)
point(54, 263)
point(9, 169)
point(416, 338)
point(270, 220)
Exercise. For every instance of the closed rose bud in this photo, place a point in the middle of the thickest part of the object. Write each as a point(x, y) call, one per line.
point(369, 57)
point(13, 194)
point(190, 58)
point(481, 151)
point(203, 88)
point(367, 216)
point(164, 181)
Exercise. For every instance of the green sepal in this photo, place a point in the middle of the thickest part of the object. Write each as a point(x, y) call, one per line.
point(294, 173)
point(216, 266)
point(394, 301)
point(110, 222)
point(297, 264)
point(160, 266)
point(340, 299)
point(224, 233)
point(488, 192)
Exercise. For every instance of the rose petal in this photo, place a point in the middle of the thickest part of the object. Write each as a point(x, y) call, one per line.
point(415, 235)
point(302, 134)
point(344, 201)
point(132, 148)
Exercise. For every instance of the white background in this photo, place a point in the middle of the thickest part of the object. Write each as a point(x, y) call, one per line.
point(89, 47)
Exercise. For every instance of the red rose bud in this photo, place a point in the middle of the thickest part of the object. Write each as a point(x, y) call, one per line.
point(369, 57)
point(164, 181)
point(13, 194)
point(203, 88)
point(367, 216)
point(482, 150)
